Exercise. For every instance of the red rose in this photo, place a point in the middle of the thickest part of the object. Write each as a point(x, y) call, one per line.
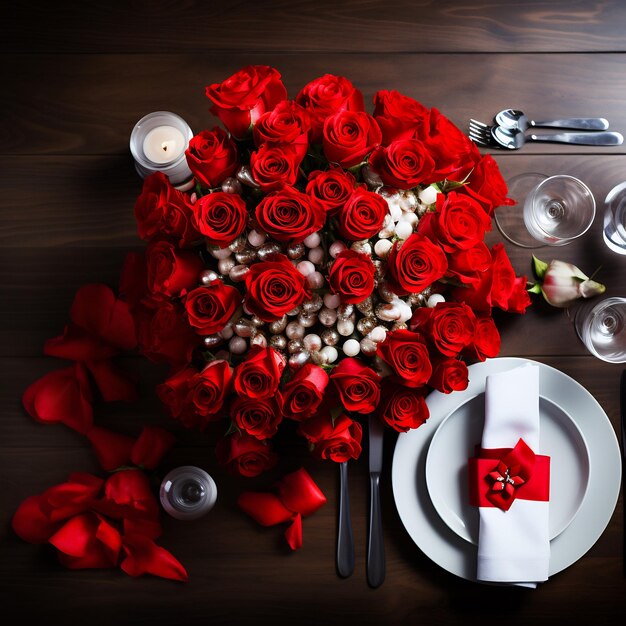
point(466, 266)
point(290, 215)
point(363, 215)
point(349, 136)
point(212, 157)
point(352, 276)
point(304, 393)
point(274, 287)
point(449, 326)
point(288, 123)
point(221, 217)
point(162, 209)
point(210, 308)
point(240, 100)
point(404, 164)
point(332, 188)
point(459, 223)
point(486, 343)
point(338, 440)
point(244, 455)
point(209, 389)
point(449, 375)
point(407, 355)
point(274, 167)
point(507, 291)
point(401, 407)
point(259, 375)
point(258, 417)
point(325, 96)
point(415, 265)
point(399, 116)
point(486, 185)
point(358, 385)
point(454, 153)
point(174, 392)
point(171, 271)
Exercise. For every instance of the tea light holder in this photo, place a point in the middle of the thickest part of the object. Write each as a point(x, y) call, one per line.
point(158, 143)
point(188, 492)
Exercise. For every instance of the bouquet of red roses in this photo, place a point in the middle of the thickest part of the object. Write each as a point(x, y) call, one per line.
point(329, 263)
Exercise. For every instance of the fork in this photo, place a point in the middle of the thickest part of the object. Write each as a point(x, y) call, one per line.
point(481, 133)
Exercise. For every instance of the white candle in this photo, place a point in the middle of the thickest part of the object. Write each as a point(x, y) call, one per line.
point(164, 144)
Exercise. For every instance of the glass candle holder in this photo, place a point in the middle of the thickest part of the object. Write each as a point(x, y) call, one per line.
point(188, 492)
point(158, 143)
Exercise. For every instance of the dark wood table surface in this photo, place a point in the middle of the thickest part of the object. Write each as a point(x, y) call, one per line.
point(76, 76)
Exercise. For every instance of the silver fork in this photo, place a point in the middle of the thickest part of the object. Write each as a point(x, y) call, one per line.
point(480, 133)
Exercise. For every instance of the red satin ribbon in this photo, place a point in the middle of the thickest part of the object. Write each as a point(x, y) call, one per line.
point(498, 476)
point(296, 496)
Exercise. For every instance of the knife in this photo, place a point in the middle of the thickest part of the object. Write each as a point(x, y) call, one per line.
point(622, 396)
point(375, 544)
point(345, 539)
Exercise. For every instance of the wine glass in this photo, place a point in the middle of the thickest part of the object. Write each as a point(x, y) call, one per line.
point(615, 219)
point(602, 328)
point(556, 210)
point(188, 492)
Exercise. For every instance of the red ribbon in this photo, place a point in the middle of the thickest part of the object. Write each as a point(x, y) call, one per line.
point(296, 496)
point(498, 476)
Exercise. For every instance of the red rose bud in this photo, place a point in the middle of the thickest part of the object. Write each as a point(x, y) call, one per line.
point(459, 222)
point(401, 407)
point(172, 272)
point(240, 100)
point(486, 342)
point(338, 440)
point(332, 188)
point(486, 185)
point(210, 308)
point(352, 276)
point(258, 417)
point(404, 164)
point(244, 455)
point(362, 216)
point(289, 215)
point(259, 375)
point(407, 355)
point(221, 217)
point(212, 157)
point(466, 266)
point(273, 167)
point(400, 117)
point(349, 137)
point(449, 375)
point(358, 385)
point(287, 124)
point(508, 292)
point(174, 392)
point(304, 393)
point(274, 287)
point(326, 95)
point(417, 264)
point(208, 391)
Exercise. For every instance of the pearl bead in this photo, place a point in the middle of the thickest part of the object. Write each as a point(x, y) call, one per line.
point(313, 240)
point(388, 312)
point(365, 306)
point(406, 312)
point(238, 245)
point(434, 300)
point(318, 358)
point(314, 304)
point(225, 265)
point(382, 248)
point(428, 196)
point(307, 319)
point(296, 361)
point(259, 340)
point(362, 246)
point(315, 280)
point(296, 250)
point(238, 273)
point(231, 185)
point(330, 337)
point(351, 347)
point(345, 327)
point(278, 342)
point(294, 330)
point(278, 326)
point(256, 239)
point(327, 317)
point(385, 293)
point(330, 353)
point(220, 253)
point(295, 345)
point(316, 255)
point(403, 229)
point(367, 346)
point(227, 332)
point(378, 334)
point(212, 340)
point(306, 268)
point(411, 218)
point(337, 247)
point(408, 201)
point(244, 328)
point(312, 342)
point(345, 311)
point(237, 345)
point(372, 179)
point(332, 300)
point(266, 249)
point(366, 324)
point(208, 276)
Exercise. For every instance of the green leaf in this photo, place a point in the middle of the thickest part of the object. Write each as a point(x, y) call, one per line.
point(539, 267)
point(232, 428)
point(536, 288)
point(335, 413)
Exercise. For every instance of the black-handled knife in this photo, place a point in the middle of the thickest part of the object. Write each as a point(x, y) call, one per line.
point(345, 539)
point(375, 544)
point(622, 405)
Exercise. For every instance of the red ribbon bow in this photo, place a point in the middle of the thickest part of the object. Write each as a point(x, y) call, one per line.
point(297, 496)
point(517, 473)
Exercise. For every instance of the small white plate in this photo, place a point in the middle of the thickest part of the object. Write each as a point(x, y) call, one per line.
point(458, 556)
point(455, 441)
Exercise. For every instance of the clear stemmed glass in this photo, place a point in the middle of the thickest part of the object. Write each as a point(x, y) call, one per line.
point(602, 328)
point(615, 219)
point(556, 210)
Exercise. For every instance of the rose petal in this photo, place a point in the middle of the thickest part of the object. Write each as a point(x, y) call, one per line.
point(113, 385)
point(264, 508)
point(143, 556)
point(293, 534)
point(151, 446)
point(112, 449)
point(299, 492)
point(77, 344)
point(31, 524)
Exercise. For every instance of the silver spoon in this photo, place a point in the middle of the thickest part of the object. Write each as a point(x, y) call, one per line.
point(515, 139)
point(510, 118)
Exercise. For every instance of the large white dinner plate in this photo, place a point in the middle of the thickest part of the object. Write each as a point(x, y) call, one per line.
point(461, 430)
point(452, 552)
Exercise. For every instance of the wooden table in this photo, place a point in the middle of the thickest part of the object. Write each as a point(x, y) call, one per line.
point(76, 77)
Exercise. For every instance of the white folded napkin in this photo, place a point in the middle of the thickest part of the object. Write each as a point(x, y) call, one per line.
point(513, 546)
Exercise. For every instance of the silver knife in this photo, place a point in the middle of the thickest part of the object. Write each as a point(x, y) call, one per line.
point(375, 544)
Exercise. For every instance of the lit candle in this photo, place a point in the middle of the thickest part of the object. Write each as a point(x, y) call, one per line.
point(158, 144)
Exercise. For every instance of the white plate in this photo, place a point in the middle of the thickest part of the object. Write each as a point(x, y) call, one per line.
point(452, 552)
point(454, 442)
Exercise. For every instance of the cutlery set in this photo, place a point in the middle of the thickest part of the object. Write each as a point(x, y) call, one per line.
point(510, 126)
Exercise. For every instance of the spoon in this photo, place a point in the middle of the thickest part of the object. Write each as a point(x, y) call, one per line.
point(515, 139)
point(510, 118)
